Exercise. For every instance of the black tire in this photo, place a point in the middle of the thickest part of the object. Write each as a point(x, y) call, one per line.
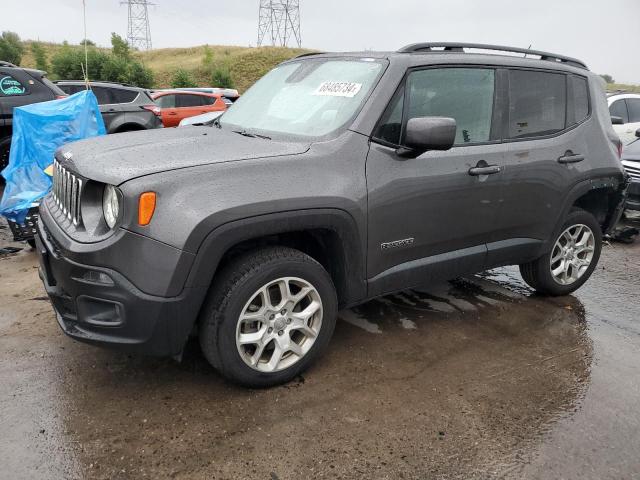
point(231, 291)
point(537, 274)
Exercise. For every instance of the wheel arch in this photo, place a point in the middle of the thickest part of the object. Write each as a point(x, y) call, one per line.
point(330, 236)
point(602, 197)
point(128, 127)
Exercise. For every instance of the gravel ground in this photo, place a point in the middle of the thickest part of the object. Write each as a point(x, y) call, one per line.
point(477, 378)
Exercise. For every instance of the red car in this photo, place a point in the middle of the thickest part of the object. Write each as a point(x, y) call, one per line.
point(176, 105)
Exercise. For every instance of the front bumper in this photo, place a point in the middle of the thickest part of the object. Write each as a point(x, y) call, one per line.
point(100, 306)
point(633, 196)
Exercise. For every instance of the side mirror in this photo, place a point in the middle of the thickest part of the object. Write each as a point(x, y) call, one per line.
point(428, 133)
point(617, 120)
point(638, 133)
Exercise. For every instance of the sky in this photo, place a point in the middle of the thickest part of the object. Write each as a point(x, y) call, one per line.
point(604, 34)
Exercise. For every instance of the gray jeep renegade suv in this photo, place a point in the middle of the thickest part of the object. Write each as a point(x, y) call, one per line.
point(336, 178)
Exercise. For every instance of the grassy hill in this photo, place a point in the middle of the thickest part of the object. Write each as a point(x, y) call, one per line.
point(245, 64)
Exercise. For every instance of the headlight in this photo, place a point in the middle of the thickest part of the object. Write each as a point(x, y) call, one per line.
point(110, 205)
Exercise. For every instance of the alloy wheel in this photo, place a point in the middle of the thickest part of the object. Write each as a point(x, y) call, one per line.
point(572, 254)
point(279, 324)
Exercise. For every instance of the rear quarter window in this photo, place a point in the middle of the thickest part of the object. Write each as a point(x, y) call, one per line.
point(537, 103)
point(11, 87)
point(580, 98)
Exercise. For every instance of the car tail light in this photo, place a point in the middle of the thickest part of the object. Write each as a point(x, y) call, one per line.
point(619, 148)
point(153, 108)
point(60, 97)
point(146, 207)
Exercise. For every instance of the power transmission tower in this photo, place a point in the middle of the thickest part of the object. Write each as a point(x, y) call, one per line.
point(138, 31)
point(279, 20)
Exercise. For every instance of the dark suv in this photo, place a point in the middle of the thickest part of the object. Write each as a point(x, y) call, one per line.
point(124, 108)
point(336, 178)
point(19, 87)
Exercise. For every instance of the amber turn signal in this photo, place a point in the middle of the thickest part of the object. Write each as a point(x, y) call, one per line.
point(146, 207)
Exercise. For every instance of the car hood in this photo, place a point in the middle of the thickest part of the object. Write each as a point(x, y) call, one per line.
point(120, 157)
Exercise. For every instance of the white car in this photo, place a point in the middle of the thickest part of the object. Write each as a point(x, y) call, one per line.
point(202, 119)
point(625, 115)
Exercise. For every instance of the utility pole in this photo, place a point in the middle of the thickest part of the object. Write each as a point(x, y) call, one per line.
point(138, 31)
point(278, 22)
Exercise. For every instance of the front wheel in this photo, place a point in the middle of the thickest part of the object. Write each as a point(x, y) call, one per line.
point(270, 313)
point(571, 260)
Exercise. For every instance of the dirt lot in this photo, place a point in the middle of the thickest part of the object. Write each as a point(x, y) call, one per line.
point(477, 378)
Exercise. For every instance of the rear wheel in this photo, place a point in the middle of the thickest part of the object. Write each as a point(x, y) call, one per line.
point(269, 315)
point(571, 260)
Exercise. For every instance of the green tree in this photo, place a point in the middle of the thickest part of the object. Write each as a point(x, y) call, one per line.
point(608, 78)
point(119, 46)
point(40, 56)
point(88, 42)
point(182, 79)
point(140, 75)
point(221, 77)
point(207, 58)
point(11, 48)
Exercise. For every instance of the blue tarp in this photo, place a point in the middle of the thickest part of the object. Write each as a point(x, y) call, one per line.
point(38, 130)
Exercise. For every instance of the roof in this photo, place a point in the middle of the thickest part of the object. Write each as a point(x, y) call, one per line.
point(471, 51)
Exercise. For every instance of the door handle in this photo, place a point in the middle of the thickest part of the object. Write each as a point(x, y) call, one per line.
point(570, 157)
point(172, 113)
point(484, 170)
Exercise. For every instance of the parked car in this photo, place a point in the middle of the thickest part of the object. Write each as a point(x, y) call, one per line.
point(631, 163)
point(625, 114)
point(229, 95)
point(124, 108)
point(19, 87)
point(199, 120)
point(335, 179)
point(176, 105)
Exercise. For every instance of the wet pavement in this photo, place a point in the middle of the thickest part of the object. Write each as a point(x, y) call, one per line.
point(473, 379)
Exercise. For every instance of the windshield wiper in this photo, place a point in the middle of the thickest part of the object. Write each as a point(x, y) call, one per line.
point(216, 122)
point(245, 133)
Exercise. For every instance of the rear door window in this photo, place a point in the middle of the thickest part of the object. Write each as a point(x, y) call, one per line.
point(123, 96)
point(166, 101)
point(11, 87)
point(619, 109)
point(103, 95)
point(537, 103)
point(633, 107)
point(185, 100)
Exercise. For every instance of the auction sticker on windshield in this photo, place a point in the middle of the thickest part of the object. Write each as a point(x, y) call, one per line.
point(338, 89)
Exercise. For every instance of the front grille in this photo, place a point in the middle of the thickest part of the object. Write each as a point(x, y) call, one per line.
point(66, 192)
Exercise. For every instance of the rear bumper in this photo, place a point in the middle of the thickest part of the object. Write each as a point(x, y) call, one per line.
point(100, 306)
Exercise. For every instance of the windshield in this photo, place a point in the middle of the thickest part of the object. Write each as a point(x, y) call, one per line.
point(307, 98)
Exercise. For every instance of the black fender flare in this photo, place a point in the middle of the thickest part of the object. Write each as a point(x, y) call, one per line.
point(224, 237)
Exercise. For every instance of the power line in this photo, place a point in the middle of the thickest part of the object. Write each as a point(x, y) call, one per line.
point(138, 31)
point(279, 21)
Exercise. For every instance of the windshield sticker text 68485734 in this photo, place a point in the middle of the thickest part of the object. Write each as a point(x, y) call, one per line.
point(338, 89)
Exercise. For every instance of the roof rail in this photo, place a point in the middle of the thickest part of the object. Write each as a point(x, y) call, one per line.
point(97, 81)
point(308, 54)
point(460, 47)
point(7, 64)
